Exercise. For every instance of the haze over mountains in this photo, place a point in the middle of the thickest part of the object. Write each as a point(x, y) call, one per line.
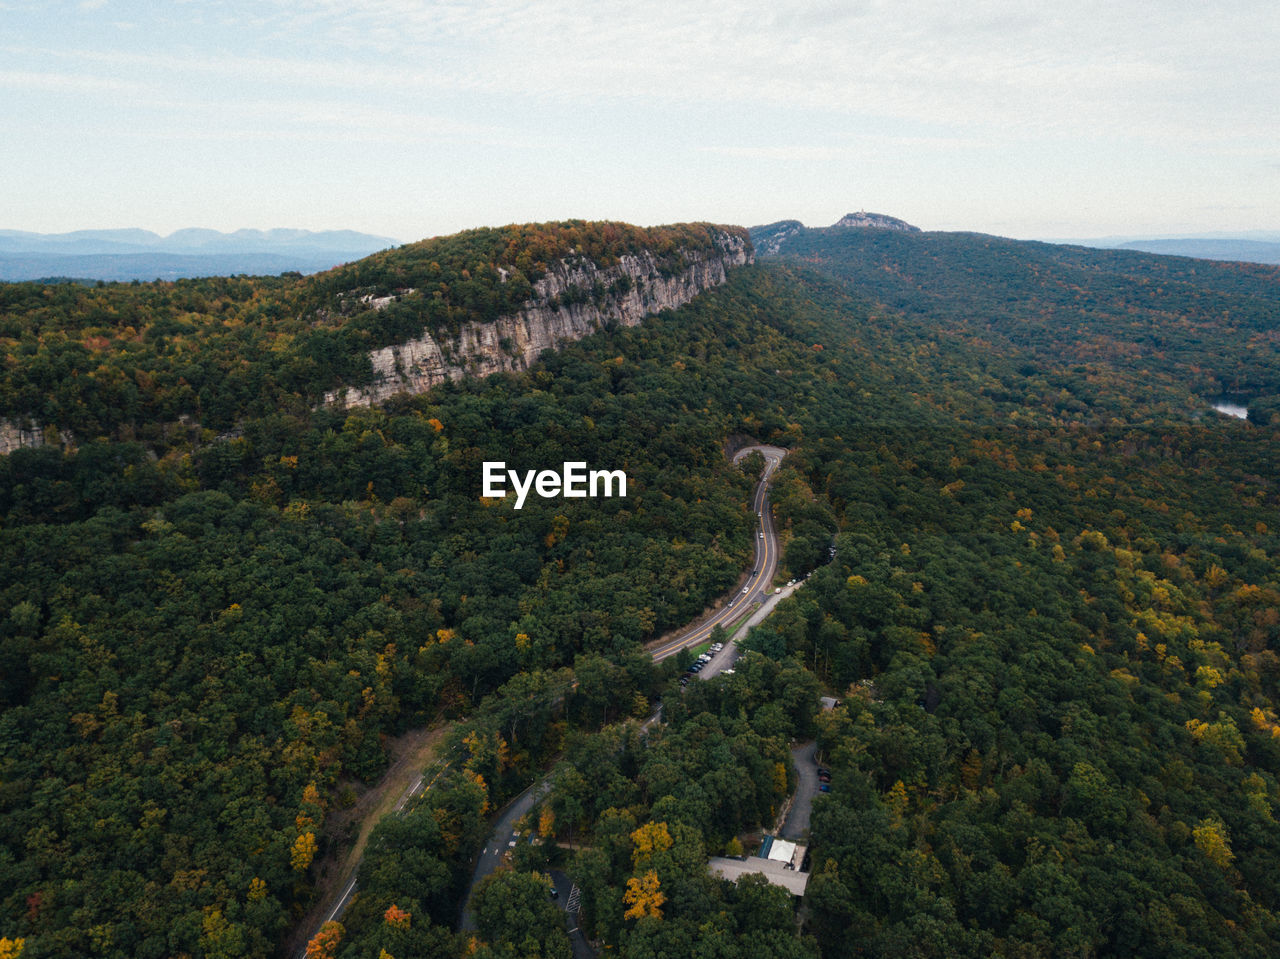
point(137, 254)
point(134, 254)
point(1254, 246)
point(1249, 246)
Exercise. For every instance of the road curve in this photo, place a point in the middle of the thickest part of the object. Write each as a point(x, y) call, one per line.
point(739, 606)
point(500, 841)
point(766, 563)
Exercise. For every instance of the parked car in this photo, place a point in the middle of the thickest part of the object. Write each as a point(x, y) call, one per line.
point(824, 787)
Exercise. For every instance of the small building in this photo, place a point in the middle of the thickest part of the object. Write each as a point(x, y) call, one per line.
point(779, 874)
point(778, 861)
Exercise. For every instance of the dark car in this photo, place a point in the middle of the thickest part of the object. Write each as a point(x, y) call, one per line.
point(824, 776)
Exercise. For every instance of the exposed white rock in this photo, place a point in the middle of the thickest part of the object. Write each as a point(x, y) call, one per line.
point(15, 436)
point(382, 302)
point(876, 221)
point(563, 308)
point(769, 239)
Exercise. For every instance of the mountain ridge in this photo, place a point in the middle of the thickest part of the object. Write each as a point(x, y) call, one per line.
point(137, 240)
point(137, 254)
point(399, 321)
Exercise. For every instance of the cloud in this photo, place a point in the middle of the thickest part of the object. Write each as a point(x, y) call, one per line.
point(57, 82)
point(1107, 67)
point(990, 66)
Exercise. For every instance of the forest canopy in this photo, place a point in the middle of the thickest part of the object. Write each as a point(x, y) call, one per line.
point(1051, 618)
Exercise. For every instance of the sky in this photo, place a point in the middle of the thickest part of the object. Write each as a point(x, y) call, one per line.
point(413, 119)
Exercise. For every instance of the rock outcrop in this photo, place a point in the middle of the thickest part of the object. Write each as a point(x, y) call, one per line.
point(15, 436)
point(575, 298)
point(877, 221)
point(769, 239)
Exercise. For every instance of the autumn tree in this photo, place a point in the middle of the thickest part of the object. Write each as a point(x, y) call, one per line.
point(644, 897)
point(324, 944)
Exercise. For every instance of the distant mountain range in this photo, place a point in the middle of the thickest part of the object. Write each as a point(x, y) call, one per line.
point(1254, 246)
point(1245, 251)
point(133, 254)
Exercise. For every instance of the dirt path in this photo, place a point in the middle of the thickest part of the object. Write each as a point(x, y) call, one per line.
point(410, 754)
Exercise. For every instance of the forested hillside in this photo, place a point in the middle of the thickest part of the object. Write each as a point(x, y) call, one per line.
point(1054, 609)
point(1052, 618)
point(152, 360)
point(1204, 326)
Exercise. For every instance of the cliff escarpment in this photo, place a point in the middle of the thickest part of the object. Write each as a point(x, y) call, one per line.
point(576, 295)
point(170, 364)
point(15, 436)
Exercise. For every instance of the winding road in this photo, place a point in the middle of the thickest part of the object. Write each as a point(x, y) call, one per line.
point(739, 606)
point(766, 563)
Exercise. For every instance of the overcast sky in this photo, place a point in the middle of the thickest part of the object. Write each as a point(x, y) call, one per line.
point(412, 119)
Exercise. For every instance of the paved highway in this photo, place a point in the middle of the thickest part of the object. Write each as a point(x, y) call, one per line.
point(501, 841)
point(739, 606)
point(766, 563)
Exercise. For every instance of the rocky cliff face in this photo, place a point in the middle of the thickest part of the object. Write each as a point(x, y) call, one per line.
point(879, 221)
point(769, 239)
point(14, 436)
point(574, 299)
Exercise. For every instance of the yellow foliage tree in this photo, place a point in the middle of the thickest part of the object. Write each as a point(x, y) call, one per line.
point(547, 822)
point(257, 890)
point(11, 948)
point(1211, 839)
point(650, 838)
point(898, 802)
point(780, 779)
point(476, 778)
point(304, 850)
point(644, 897)
point(311, 795)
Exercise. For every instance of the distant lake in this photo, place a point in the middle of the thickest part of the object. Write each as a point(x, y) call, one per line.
point(1232, 408)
